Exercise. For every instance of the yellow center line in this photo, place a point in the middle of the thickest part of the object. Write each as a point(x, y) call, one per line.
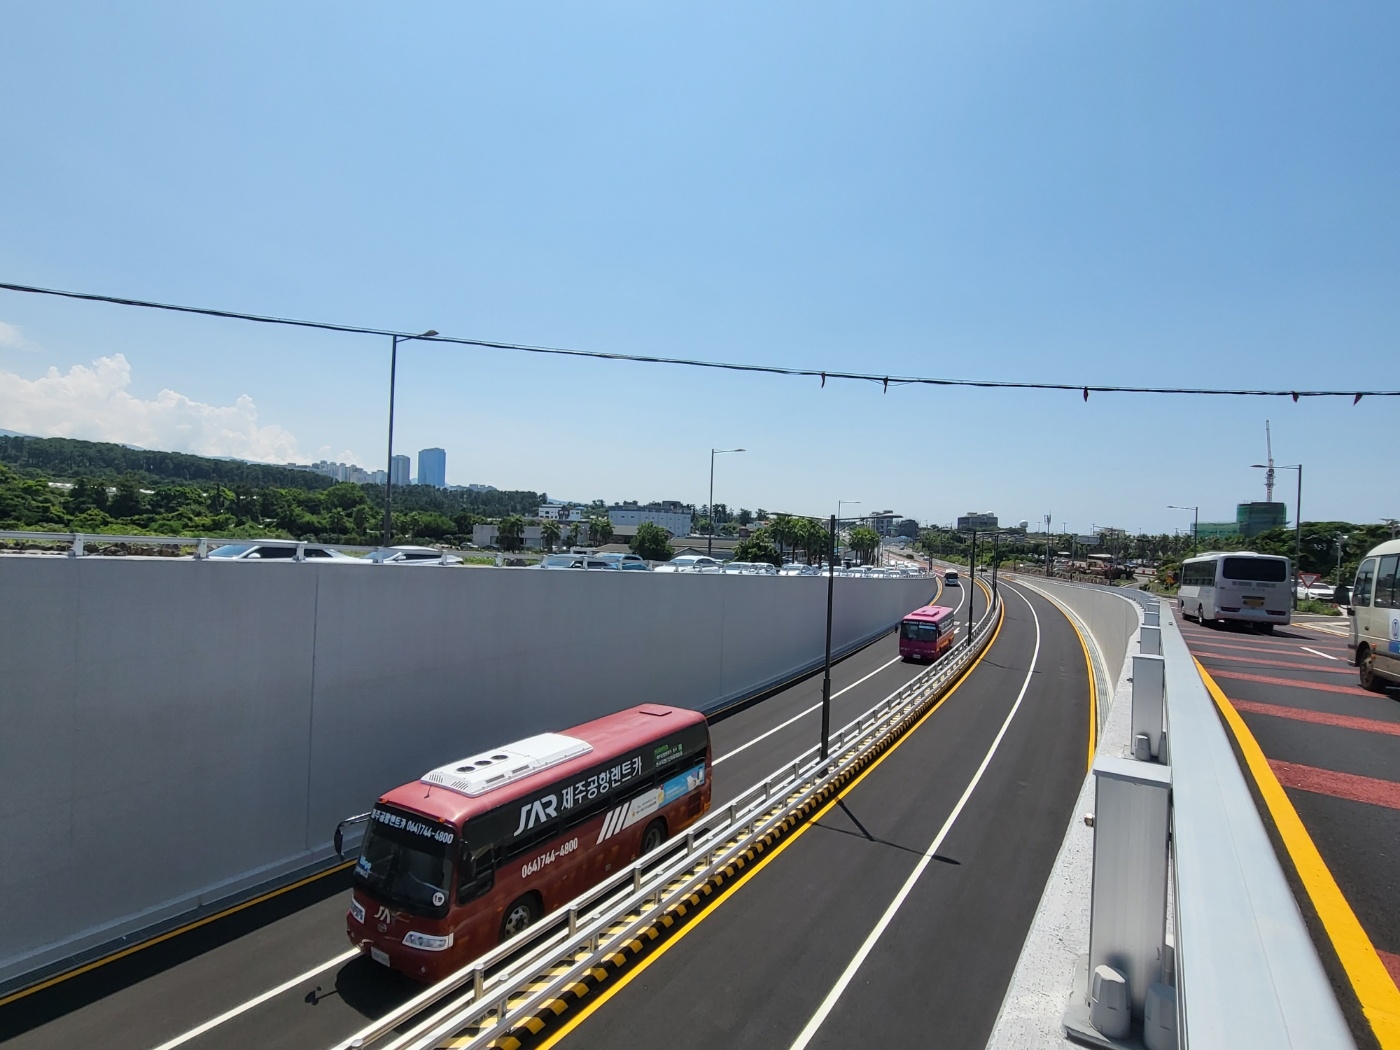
point(1379, 997)
point(131, 950)
point(616, 986)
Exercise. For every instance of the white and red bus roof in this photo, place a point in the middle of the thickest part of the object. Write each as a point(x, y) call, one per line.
point(458, 791)
point(929, 614)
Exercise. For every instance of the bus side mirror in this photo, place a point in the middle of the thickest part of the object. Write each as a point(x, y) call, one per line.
point(339, 838)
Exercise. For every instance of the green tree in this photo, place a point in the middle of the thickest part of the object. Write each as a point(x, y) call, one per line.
point(652, 542)
point(128, 501)
point(600, 531)
point(571, 537)
point(549, 533)
point(510, 533)
point(744, 516)
point(865, 541)
point(758, 548)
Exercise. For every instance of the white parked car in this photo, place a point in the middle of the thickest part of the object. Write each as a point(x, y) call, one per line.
point(277, 552)
point(407, 555)
point(691, 563)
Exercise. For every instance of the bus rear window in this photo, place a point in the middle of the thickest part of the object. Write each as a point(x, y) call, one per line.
point(1255, 570)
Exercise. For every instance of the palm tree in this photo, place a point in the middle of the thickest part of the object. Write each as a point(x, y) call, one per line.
point(510, 533)
point(600, 531)
point(783, 530)
point(549, 533)
point(571, 539)
point(864, 541)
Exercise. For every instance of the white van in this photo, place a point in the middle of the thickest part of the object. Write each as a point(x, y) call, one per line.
point(1375, 617)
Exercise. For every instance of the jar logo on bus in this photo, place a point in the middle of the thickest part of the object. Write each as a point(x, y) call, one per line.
point(538, 812)
point(530, 867)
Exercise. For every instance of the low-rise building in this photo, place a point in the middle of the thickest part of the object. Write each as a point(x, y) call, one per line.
point(977, 521)
point(673, 516)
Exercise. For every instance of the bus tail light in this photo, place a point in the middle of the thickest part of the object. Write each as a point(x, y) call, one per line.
point(427, 942)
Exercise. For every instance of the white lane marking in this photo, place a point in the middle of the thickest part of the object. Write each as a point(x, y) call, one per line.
point(829, 1002)
point(271, 993)
point(803, 714)
point(1325, 656)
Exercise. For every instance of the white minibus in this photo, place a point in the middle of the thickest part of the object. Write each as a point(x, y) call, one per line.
point(1375, 617)
point(1236, 585)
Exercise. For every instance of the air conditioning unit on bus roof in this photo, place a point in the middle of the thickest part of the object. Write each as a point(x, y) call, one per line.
point(478, 774)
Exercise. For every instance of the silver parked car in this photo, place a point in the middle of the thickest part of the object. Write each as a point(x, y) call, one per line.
point(278, 552)
point(691, 563)
point(408, 555)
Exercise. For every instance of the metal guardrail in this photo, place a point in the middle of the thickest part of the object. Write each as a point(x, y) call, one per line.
point(506, 987)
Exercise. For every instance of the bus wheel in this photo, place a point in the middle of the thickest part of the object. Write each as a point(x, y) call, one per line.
point(1366, 665)
point(654, 836)
point(519, 915)
point(1201, 616)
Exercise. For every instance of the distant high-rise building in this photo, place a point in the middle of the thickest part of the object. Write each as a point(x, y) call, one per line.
point(399, 468)
point(432, 467)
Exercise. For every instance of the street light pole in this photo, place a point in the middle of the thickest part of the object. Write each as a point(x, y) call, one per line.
point(1195, 526)
point(389, 472)
point(710, 540)
point(971, 584)
point(826, 677)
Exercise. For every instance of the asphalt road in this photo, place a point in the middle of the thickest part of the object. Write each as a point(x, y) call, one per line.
point(1335, 748)
point(248, 979)
point(798, 956)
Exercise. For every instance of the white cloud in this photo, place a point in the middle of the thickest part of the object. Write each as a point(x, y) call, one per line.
point(93, 403)
point(12, 338)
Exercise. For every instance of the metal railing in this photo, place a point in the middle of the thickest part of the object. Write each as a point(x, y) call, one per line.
point(514, 982)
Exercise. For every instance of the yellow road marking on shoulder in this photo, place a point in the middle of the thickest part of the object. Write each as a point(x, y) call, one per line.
point(1380, 999)
point(132, 949)
point(621, 982)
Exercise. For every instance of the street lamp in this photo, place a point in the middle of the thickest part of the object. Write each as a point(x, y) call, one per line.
point(1297, 521)
point(1342, 538)
point(389, 472)
point(710, 540)
point(1195, 525)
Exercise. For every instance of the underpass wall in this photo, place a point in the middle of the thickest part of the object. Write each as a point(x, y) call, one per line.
point(173, 732)
point(1108, 612)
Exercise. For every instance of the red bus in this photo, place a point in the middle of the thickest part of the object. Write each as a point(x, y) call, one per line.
point(469, 855)
point(926, 633)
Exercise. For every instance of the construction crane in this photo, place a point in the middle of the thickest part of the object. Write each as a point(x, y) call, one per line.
point(1269, 473)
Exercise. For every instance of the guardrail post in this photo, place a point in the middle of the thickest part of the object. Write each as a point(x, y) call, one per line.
point(75, 550)
point(1149, 678)
point(1150, 640)
point(1152, 614)
point(201, 549)
point(1128, 909)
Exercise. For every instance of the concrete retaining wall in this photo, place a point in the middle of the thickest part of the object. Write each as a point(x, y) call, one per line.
point(174, 732)
point(1110, 614)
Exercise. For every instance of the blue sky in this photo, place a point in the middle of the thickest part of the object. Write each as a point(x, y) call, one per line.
point(1079, 192)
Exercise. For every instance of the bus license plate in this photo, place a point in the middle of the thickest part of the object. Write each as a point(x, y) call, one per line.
point(378, 956)
point(1254, 603)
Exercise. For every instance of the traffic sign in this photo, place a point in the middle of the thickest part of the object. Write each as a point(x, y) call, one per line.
point(1309, 578)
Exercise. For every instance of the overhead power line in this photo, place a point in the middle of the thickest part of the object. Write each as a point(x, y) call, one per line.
point(884, 381)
